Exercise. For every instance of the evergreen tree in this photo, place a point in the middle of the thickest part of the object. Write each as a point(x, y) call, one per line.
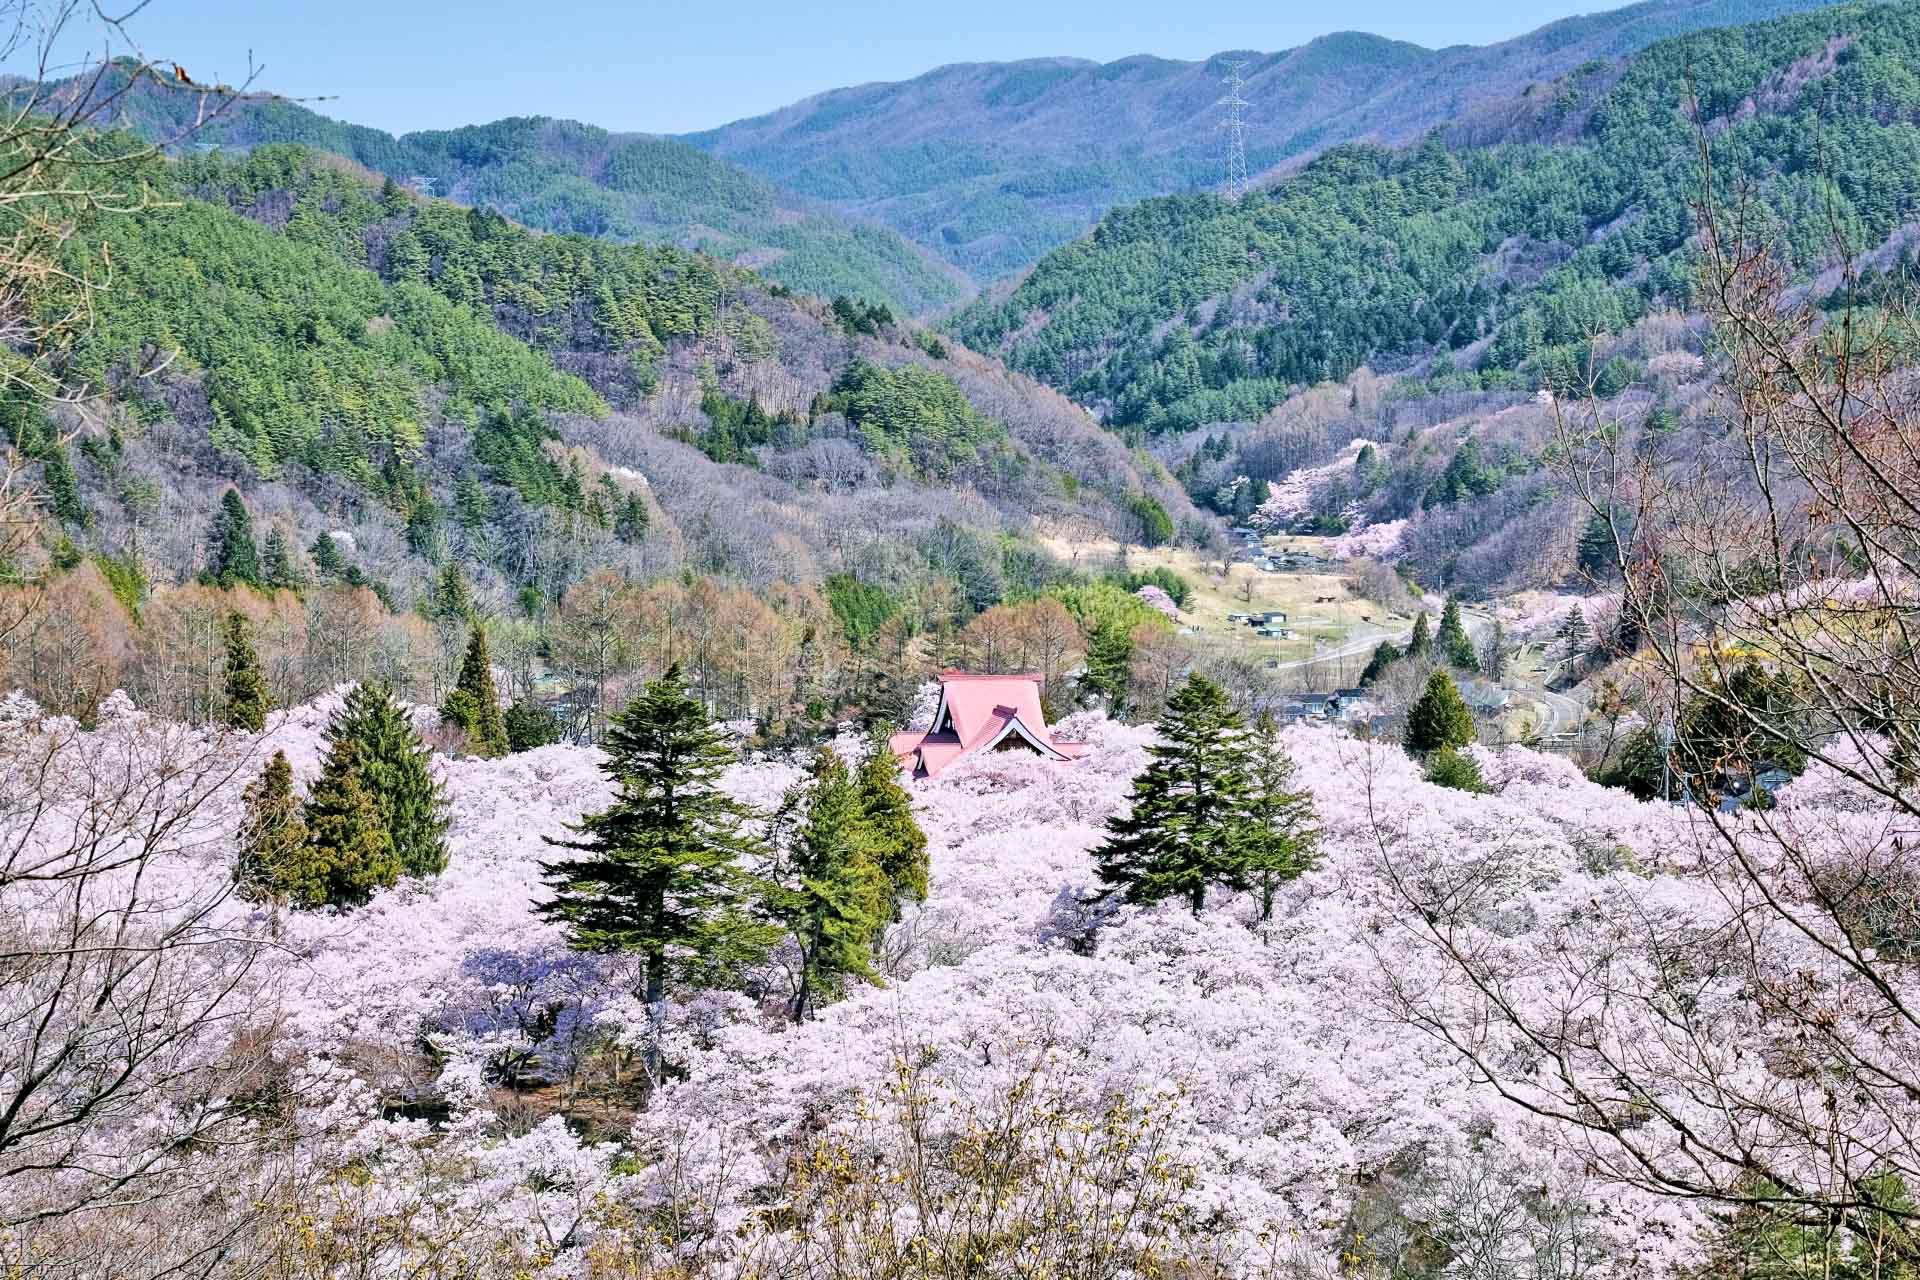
point(1420, 643)
point(529, 724)
point(661, 871)
point(1279, 837)
point(899, 845)
point(247, 698)
point(1598, 554)
point(832, 892)
point(348, 853)
point(231, 554)
point(1455, 645)
point(473, 704)
point(1189, 805)
point(450, 598)
point(631, 519)
point(1451, 767)
point(1440, 718)
point(1384, 656)
point(471, 505)
point(1109, 664)
point(63, 487)
point(426, 533)
point(276, 861)
point(276, 561)
point(1576, 637)
point(396, 771)
point(326, 556)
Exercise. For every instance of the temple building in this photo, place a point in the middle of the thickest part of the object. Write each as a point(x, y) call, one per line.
point(982, 713)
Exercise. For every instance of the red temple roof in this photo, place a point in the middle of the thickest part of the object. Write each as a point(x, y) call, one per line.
point(982, 713)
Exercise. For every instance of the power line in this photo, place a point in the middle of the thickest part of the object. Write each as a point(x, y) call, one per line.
point(1236, 129)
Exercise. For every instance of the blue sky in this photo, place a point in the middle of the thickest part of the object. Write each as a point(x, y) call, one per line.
point(677, 67)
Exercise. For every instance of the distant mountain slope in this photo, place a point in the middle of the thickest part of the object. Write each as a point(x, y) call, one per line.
point(991, 164)
point(436, 381)
point(562, 176)
point(1502, 260)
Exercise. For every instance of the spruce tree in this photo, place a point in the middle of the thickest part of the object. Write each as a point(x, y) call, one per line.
point(1384, 656)
point(326, 556)
point(471, 506)
point(1420, 643)
point(395, 768)
point(1574, 633)
point(450, 598)
point(276, 561)
point(661, 870)
point(1454, 643)
point(473, 704)
point(63, 487)
point(529, 725)
point(631, 519)
point(1279, 838)
point(1109, 664)
point(900, 846)
point(1440, 718)
point(1451, 767)
point(231, 554)
point(1598, 554)
point(247, 700)
point(831, 890)
point(348, 853)
point(1189, 805)
point(276, 861)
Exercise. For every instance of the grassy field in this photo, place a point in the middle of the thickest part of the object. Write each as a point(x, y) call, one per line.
point(1324, 616)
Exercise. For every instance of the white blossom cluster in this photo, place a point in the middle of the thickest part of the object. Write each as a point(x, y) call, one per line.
point(1296, 1076)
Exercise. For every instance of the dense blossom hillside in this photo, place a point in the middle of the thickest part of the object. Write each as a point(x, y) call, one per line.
point(1275, 1076)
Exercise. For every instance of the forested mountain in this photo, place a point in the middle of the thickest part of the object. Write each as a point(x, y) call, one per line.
point(398, 385)
point(563, 176)
point(1541, 247)
point(992, 164)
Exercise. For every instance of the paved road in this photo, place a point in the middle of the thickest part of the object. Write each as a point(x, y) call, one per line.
point(1564, 713)
point(1351, 648)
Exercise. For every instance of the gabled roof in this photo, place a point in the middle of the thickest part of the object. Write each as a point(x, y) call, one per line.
point(980, 713)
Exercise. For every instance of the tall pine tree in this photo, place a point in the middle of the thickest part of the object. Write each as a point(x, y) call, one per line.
point(1280, 836)
point(899, 845)
point(1420, 643)
point(395, 767)
point(232, 556)
point(247, 701)
point(275, 857)
point(830, 890)
point(473, 704)
point(1575, 636)
point(1384, 656)
point(661, 872)
point(276, 561)
point(1440, 718)
point(1108, 667)
point(1455, 645)
point(348, 853)
point(1189, 805)
point(451, 597)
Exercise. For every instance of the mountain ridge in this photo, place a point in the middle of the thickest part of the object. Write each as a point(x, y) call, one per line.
point(1027, 156)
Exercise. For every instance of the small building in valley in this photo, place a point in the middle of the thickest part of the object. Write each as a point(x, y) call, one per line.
point(982, 713)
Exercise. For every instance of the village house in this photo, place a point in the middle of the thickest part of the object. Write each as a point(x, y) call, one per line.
point(982, 713)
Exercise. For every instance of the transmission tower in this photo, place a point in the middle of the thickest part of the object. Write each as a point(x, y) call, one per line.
point(1236, 128)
